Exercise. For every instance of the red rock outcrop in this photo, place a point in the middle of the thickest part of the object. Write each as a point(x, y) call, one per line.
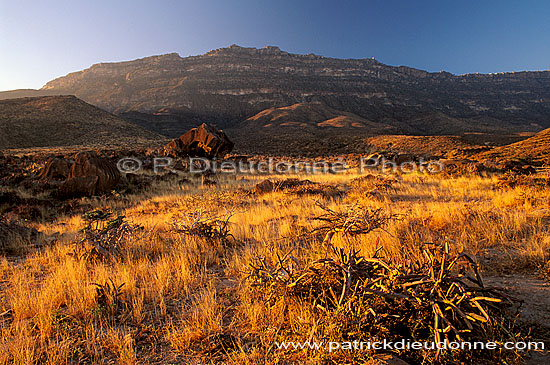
point(203, 141)
point(89, 175)
point(56, 168)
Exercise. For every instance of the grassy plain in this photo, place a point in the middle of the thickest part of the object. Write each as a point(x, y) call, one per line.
point(188, 298)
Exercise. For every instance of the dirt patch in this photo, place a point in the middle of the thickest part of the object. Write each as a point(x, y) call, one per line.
point(534, 292)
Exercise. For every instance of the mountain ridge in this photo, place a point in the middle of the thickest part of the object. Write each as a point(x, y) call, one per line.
point(228, 85)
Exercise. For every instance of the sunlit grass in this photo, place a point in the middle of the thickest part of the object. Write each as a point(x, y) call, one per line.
point(180, 291)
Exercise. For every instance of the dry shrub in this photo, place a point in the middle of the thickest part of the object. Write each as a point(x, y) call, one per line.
point(355, 220)
point(438, 296)
point(206, 225)
point(108, 297)
point(508, 181)
point(103, 238)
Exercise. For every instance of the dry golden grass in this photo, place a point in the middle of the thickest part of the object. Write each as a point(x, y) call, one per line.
point(185, 297)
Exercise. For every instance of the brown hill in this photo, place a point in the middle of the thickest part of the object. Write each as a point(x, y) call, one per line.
point(51, 121)
point(438, 123)
point(312, 116)
point(420, 145)
point(26, 93)
point(304, 128)
point(535, 149)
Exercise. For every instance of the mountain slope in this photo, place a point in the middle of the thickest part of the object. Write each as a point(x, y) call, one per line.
point(304, 128)
point(312, 116)
point(26, 93)
point(50, 121)
point(536, 149)
point(228, 85)
point(420, 145)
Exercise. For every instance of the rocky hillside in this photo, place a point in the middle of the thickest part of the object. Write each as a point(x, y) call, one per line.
point(312, 116)
point(52, 121)
point(535, 149)
point(427, 146)
point(229, 85)
point(304, 129)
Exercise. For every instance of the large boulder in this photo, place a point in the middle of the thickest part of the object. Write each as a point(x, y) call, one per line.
point(203, 141)
point(56, 169)
point(90, 175)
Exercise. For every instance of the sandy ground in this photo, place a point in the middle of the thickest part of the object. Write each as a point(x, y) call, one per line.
point(535, 294)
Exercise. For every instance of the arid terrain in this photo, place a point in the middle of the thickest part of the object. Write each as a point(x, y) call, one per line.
point(345, 201)
point(174, 267)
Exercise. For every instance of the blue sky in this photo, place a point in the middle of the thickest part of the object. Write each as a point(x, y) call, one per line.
point(41, 40)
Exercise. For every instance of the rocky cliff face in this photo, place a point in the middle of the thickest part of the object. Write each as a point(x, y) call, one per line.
point(231, 84)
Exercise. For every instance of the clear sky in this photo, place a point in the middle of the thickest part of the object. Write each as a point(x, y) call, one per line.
point(42, 40)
